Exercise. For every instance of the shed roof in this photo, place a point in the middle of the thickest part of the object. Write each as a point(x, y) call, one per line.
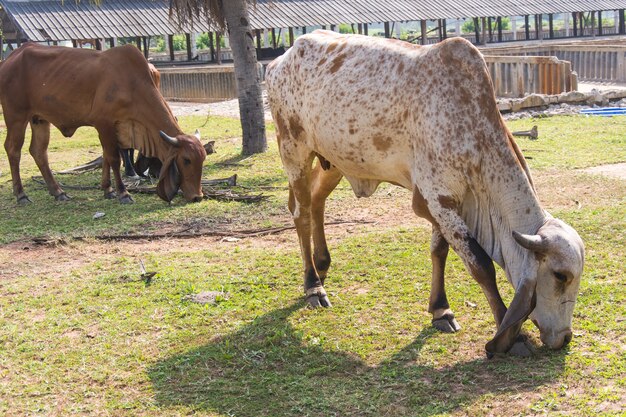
point(64, 20)
point(46, 20)
point(293, 13)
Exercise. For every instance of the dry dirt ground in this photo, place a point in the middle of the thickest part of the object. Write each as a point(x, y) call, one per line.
point(612, 170)
point(389, 207)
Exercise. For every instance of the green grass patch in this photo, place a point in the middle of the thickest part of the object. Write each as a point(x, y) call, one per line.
point(82, 334)
point(570, 142)
point(51, 219)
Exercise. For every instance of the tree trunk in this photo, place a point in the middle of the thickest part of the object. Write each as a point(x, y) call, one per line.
point(247, 76)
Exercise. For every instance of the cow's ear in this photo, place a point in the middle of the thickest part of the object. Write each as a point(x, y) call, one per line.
point(169, 180)
point(522, 305)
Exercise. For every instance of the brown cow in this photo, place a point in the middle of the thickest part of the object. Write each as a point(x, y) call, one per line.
point(112, 91)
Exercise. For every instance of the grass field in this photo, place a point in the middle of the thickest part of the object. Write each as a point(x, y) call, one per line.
point(82, 334)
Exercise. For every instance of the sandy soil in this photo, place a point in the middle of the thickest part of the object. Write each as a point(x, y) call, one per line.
point(228, 108)
point(612, 170)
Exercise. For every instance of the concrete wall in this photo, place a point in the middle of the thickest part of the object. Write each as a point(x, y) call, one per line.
point(516, 76)
point(200, 83)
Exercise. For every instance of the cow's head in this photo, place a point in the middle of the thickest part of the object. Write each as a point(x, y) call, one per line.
point(182, 167)
point(547, 293)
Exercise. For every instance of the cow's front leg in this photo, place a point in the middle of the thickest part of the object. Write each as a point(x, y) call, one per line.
point(297, 163)
point(300, 208)
point(438, 306)
point(127, 158)
point(111, 160)
point(39, 150)
point(323, 182)
point(443, 210)
point(105, 184)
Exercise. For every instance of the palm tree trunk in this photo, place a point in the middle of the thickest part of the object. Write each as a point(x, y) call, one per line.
point(247, 76)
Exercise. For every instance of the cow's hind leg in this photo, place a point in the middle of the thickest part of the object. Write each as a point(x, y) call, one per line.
point(438, 306)
point(297, 162)
point(323, 182)
point(129, 167)
point(13, 146)
point(39, 150)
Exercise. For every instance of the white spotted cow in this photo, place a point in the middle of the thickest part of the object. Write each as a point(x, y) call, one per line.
point(424, 118)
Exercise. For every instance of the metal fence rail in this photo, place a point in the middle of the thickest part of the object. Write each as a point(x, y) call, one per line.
point(591, 61)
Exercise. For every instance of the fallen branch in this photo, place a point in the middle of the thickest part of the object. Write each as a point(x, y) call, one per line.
point(89, 166)
point(241, 234)
point(209, 193)
point(39, 180)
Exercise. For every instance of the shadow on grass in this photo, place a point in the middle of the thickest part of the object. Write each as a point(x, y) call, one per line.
point(267, 368)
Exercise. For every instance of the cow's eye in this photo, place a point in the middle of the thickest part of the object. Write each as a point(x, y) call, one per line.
point(186, 161)
point(560, 277)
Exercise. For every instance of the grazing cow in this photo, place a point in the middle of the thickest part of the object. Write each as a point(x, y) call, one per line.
point(424, 118)
point(113, 91)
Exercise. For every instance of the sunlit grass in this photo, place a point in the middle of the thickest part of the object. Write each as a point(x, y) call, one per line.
point(93, 338)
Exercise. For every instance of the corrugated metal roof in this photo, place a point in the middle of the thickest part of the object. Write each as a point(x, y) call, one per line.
point(65, 20)
point(294, 13)
point(43, 20)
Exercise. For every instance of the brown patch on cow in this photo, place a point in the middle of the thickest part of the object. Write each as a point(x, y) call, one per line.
point(352, 130)
point(282, 126)
point(337, 63)
point(447, 202)
point(400, 67)
point(332, 47)
point(322, 61)
point(382, 143)
point(295, 127)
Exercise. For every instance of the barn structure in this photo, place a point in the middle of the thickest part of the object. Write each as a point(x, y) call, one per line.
point(276, 23)
point(85, 22)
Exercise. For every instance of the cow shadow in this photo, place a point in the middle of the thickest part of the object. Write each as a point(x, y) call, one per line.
point(269, 368)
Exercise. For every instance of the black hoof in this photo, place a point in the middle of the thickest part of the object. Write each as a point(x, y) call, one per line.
point(62, 197)
point(126, 199)
point(24, 200)
point(447, 324)
point(110, 195)
point(317, 298)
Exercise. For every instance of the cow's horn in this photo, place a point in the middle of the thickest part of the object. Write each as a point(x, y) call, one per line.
point(172, 141)
point(197, 134)
point(535, 243)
